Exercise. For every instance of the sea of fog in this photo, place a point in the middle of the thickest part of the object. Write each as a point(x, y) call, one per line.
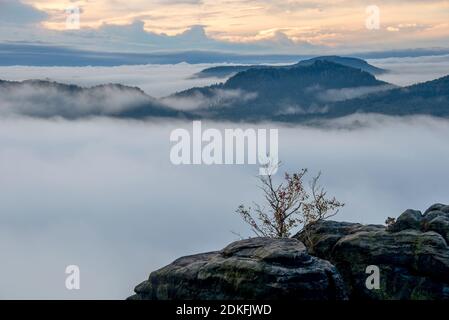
point(103, 194)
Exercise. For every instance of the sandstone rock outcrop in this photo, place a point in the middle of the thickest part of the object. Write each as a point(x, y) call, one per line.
point(412, 254)
point(257, 268)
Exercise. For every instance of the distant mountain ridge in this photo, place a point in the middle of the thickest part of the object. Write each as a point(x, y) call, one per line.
point(319, 89)
point(44, 99)
point(355, 63)
point(431, 97)
point(303, 92)
point(226, 71)
point(300, 89)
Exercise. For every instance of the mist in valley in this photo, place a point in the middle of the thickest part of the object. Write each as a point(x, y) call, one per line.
point(104, 195)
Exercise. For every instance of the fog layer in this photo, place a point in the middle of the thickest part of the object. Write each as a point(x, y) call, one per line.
point(155, 80)
point(103, 194)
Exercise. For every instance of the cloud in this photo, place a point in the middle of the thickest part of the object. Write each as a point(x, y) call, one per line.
point(297, 109)
point(155, 80)
point(214, 97)
point(301, 27)
point(334, 95)
point(133, 37)
point(408, 27)
point(135, 34)
point(46, 99)
point(16, 12)
point(282, 26)
point(103, 194)
point(193, 38)
point(410, 70)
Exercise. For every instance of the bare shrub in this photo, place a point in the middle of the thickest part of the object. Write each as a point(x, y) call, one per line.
point(288, 206)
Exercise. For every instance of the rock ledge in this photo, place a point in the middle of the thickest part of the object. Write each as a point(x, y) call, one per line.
point(412, 256)
point(257, 268)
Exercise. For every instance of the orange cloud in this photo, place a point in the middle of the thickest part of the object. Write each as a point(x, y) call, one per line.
point(316, 22)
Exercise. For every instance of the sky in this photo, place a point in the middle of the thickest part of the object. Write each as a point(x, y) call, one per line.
point(233, 25)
